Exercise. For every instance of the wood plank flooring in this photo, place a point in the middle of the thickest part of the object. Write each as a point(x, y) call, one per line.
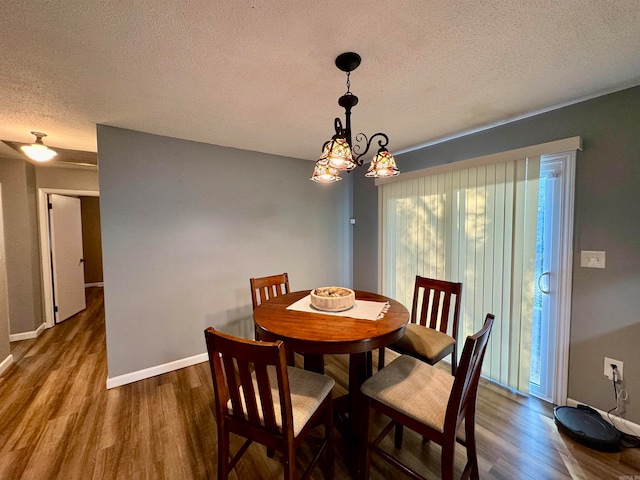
point(58, 421)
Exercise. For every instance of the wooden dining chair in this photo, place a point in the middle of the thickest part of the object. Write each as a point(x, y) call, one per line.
point(431, 402)
point(264, 288)
point(260, 398)
point(432, 330)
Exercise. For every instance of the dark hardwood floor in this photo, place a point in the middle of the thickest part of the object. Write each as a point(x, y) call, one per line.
point(58, 421)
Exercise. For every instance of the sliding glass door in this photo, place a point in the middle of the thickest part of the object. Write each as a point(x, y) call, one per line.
point(504, 230)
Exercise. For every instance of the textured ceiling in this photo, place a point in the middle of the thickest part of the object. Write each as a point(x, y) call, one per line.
point(260, 75)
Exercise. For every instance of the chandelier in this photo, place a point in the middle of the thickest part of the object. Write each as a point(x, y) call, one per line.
point(339, 153)
point(38, 151)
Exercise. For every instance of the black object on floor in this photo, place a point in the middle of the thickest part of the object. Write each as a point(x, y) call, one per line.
point(585, 425)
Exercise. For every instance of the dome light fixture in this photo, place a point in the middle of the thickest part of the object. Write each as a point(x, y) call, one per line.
point(38, 151)
point(338, 153)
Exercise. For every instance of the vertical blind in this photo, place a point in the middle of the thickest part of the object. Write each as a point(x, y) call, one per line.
point(477, 226)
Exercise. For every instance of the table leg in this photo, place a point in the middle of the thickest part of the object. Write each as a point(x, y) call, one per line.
point(314, 363)
point(357, 417)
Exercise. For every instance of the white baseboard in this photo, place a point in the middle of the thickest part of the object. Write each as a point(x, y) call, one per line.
point(95, 284)
point(6, 363)
point(620, 423)
point(16, 337)
point(157, 370)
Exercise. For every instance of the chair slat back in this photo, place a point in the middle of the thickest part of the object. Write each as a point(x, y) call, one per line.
point(465, 386)
point(235, 365)
point(265, 288)
point(432, 304)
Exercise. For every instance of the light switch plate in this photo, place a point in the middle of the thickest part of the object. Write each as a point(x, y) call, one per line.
point(592, 259)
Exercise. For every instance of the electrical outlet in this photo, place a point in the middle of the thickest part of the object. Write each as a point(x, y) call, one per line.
point(608, 371)
point(591, 259)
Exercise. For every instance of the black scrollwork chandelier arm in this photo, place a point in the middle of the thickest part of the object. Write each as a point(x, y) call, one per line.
point(362, 143)
point(361, 137)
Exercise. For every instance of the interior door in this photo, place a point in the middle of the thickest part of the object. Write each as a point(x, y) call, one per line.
point(66, 256)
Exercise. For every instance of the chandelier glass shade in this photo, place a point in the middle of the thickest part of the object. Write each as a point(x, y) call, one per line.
point(340, 154)
point(382, 165)
point(38, 151)
point(323, 173)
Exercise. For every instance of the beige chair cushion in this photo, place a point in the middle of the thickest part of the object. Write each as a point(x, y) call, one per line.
point(308, 390)
point(426, 342)
point(414, 388)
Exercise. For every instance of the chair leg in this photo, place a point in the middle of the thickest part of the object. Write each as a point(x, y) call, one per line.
point(329, 452)
point(366, 431)
point(289, 462)
point(470, 439)
point(223, 453)
point(447, 459)
point(380, 358)
point(398, 435)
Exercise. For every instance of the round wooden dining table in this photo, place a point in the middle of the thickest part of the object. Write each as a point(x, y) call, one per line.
point(315, 334)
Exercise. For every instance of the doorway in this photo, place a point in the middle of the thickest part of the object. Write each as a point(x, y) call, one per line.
point(45, 240)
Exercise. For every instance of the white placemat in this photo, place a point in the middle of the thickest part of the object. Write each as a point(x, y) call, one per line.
point(362, 309)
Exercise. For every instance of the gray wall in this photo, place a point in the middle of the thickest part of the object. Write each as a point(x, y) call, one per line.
point(5, 348)
point(605, 319)
point(21, 245)
point(184, 227)
point(72, 178)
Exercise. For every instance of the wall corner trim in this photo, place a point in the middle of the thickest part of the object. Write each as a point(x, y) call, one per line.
point(6, 363)
point(621, 424)
point(154, 371)
point(16, 337)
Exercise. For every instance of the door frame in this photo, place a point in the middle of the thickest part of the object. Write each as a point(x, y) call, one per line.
point(565, 274)
point(45, 249)
point(556, 391)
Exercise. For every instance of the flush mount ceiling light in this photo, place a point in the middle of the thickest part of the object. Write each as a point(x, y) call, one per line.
point(38, 151)
point(338, 153)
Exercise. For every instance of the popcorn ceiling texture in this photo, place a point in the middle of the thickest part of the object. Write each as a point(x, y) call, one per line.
point(260, 75)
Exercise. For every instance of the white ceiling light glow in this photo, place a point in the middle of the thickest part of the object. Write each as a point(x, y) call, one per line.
point(38, 151)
